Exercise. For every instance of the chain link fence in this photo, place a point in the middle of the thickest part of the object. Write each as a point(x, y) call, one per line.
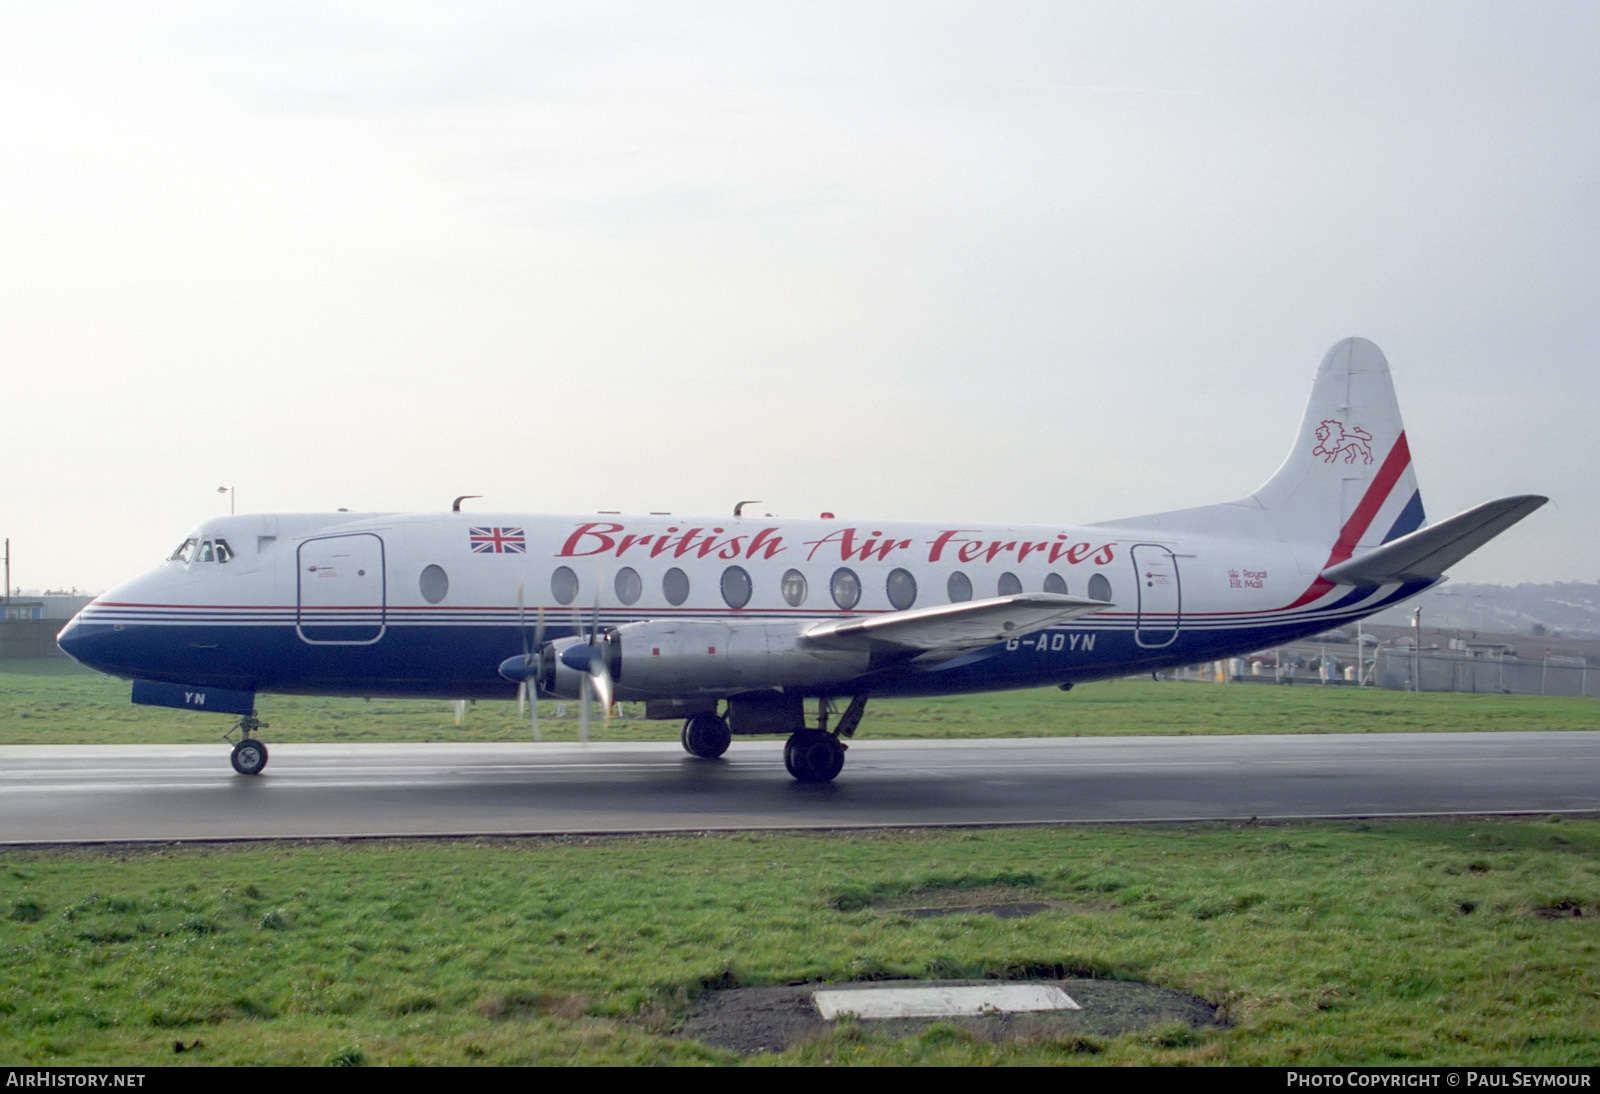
point(1430, 670)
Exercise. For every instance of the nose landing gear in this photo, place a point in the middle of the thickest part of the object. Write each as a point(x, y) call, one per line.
point(249, 755)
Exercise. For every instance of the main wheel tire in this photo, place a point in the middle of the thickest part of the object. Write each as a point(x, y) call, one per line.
point(249, 756)
point(706, 736)
point(813, 756)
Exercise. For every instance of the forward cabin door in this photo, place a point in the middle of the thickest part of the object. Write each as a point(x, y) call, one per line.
point(341, 590)
point(1160, 596)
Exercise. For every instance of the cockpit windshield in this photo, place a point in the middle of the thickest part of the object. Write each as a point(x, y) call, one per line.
point(195, 549)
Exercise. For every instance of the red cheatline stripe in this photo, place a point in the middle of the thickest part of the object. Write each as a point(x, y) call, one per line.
point(1394, 464)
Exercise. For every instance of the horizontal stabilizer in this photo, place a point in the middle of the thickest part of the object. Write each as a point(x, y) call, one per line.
point(952, 627)
point(1428, 552)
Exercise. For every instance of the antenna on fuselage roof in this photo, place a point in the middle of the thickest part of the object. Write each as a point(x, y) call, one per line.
point(738, 510)
point(455, 506)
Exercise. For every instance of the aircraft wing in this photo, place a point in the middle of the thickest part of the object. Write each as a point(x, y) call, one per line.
point(951, 628)
point(1428, 552)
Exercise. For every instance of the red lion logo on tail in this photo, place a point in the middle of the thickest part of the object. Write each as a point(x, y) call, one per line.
point(1333, 438)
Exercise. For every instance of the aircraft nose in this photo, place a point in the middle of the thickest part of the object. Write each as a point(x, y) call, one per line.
point(70, 640)
point(93, 645)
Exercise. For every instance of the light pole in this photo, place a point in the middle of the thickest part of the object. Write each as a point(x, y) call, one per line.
point(1416, 648)
point(228, 490)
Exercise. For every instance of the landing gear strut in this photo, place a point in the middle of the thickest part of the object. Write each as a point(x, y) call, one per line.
point(250, 754)
point(817, 756)
point(811, 755)
point(706, 736)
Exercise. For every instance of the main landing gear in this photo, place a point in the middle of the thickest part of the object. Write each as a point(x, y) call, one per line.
point(706, 736)
point(816, 755)
point(250, 754)
point(811, 755)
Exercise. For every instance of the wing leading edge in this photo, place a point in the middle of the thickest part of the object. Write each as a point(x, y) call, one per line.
point(951, 628)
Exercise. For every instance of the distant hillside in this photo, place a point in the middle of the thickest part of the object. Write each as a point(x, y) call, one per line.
point(1568, 608)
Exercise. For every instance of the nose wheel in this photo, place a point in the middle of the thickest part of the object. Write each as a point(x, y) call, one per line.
point(249, 755)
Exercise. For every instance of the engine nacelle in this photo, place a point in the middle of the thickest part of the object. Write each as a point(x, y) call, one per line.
point(668, 658)
point(562, 672)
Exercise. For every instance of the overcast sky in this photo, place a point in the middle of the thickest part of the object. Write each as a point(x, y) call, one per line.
point(1034, 262)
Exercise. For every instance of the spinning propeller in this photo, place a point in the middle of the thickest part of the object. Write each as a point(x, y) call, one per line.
point(529, 692)
point(591, 658)
point(541, 665)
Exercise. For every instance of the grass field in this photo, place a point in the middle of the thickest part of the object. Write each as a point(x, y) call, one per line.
point(56, 702)
point(1395, 942)
point(1400, 942)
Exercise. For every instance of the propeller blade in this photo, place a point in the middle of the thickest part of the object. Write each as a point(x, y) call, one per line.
point(597, 683)
point(522, 626)
point(533, 654)
point(600, 679)
point(533, 686)
point(538, 644)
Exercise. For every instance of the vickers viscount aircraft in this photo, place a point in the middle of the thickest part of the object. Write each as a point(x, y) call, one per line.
point(737, 624)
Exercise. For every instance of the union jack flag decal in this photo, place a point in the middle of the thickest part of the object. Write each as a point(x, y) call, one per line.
point(497, 541)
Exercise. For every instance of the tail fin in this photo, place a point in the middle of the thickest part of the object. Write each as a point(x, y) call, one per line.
point(1348, 482)
point(1347, 488)
point(1348, 479)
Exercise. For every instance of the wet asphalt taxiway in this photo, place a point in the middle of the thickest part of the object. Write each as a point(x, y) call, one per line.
point(55, 793)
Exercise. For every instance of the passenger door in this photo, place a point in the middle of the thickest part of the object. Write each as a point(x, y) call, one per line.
point(341, 594)
point(1160, 596)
